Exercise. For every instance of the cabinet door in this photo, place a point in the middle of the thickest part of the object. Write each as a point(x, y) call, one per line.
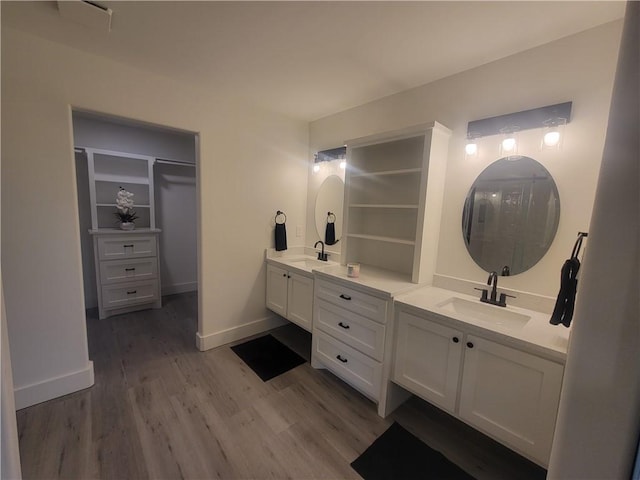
point(300, 300)
point(511, 395)
point(277, 290)
point(427, 359)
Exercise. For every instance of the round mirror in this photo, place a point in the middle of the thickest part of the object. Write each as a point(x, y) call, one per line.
point(511, 215)
point(330, 198)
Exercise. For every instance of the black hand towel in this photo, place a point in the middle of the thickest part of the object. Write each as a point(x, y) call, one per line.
point(281, 237)
point(563, 311)
point(330, 234)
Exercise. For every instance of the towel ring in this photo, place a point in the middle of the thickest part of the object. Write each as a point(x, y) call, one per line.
point(280, 213)
point(329, 215)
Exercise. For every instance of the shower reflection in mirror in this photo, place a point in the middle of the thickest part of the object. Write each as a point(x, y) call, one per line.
point(511, 215)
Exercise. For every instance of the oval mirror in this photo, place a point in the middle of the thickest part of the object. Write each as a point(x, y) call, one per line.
point(511, 215)
point(330, 199)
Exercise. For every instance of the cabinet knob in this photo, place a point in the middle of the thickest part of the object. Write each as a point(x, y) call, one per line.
point(343, 360)
point(469, 344)
point(455, 339)
point(288, 276)
point(346, 327)
point(345, 297)
point(284, 274)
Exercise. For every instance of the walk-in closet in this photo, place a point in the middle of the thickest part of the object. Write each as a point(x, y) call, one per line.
point(149, 174)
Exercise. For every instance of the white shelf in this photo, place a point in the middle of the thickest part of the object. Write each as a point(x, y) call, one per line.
point(379, 205)
point(114, 205)
point(405, 171)
point(113, 178)
point(382, 239)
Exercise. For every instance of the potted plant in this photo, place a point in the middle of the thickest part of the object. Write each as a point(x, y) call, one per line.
point(125, 212)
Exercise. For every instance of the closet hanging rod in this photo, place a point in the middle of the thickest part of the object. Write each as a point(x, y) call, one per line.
point(175, 162)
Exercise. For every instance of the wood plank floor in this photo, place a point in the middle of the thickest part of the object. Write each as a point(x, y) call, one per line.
point(161, 409)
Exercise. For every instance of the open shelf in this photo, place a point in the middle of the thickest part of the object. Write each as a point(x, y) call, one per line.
point(382, 206)
point(382, 239)
point(406, 171)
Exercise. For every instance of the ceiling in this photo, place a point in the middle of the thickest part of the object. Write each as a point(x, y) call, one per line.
point(312, 59)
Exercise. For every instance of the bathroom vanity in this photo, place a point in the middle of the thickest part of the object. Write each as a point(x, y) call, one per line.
point(498, 369)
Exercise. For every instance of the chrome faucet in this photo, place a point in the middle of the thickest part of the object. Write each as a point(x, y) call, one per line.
point(321, 255)
point(493, 297)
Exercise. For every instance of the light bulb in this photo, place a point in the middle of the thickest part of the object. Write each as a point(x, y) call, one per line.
point(471, 148)
point(551, 138)
point(343, 164)
point(509, 144)
point(316, 168)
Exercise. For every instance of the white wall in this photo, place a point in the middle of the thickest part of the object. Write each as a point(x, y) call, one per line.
point(578, 68)
point(598, 426)
point(252, 162)
point(175, 194)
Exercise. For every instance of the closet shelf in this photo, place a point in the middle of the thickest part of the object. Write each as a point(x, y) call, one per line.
point(380, 238)
point(113, 178)
point(383, 205)
point(404, 171)
point(114, 205)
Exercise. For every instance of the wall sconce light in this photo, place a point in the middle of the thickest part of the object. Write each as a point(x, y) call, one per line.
point(339, 153)
point(551, 119)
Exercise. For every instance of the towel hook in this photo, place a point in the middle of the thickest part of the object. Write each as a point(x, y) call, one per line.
point(279, 213)
point(578, 244)
point(329, 215)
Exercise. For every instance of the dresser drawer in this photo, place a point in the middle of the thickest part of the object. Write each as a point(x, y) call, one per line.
point(361, 303)
point(353, 367)
point(125, 294)
point(355, 330)
point(126, 246)
point(115, 271)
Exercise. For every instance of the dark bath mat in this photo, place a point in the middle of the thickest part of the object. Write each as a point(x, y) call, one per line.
point(399, 455)
point(267, 357)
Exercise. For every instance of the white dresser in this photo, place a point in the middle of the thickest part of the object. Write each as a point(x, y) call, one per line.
point(127, 270)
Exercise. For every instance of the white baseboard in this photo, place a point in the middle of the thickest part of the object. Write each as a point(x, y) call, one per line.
point(207, 342)
point(53, 387)
point(179, 288)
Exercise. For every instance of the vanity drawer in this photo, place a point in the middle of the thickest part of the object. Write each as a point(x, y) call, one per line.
point(355, 330)
point(116, 271)
point(125, 294)
point(353, 367)
point(361, 303)
point(126, 246)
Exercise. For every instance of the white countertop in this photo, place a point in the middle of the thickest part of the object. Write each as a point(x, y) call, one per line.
point(537, 335)
point(375, 280)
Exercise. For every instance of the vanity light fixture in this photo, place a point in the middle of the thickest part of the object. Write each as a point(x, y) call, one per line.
point(509, 143)
point(551, 119)
point(553, 133)
point(339, 153)
point(471, 148)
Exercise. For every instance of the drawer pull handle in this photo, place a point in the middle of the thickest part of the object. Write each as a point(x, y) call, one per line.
point(346, 327)
point(343, 360)
point(130, 292)
point(130, 246)
point(455, 339)
point(469, 344)
point(345, 297)
point(129, 269)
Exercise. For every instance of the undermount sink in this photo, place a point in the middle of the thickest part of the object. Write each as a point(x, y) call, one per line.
point(310, 263)
point(484, 313)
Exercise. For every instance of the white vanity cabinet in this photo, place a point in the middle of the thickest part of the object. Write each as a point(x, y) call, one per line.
point(507, 393)
point(511, 395)
point(428, 357)
point(349, 335)
point(290, 295)
point(127, 270)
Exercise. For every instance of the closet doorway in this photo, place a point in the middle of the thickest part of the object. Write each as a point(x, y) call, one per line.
point(158, 165)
